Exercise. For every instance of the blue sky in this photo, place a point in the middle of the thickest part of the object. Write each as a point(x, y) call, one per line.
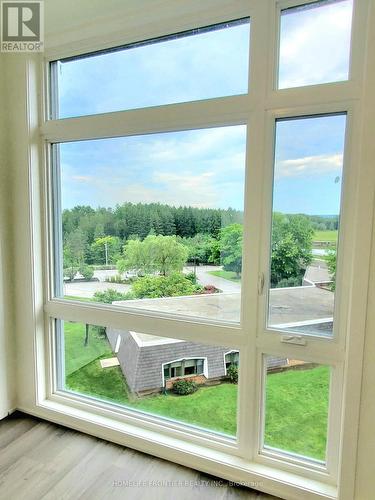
point(203, 167)
point(314, 44)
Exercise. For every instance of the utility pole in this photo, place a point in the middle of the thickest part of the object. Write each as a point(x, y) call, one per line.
point(106, 253)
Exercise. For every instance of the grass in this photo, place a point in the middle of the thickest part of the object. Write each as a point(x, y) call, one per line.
point(210, 407)
point(76, 354)
point(81, 299)
point(329, 236)
point(296, 411)
point(228, 275)
point(296, 400)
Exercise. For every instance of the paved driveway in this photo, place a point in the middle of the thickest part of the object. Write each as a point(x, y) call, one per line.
point(205, 278)
point(86, 289)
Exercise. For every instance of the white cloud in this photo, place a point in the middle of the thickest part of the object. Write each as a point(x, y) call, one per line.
point(199, 168)
point(315, 45)
point(85, 179)
point(309, 165)
point(194, 145)
point(170, 189)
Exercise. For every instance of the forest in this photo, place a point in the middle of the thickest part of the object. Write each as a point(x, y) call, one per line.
point(98, 237)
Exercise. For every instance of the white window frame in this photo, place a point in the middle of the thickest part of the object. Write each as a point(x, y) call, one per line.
point(205, 368)
point(242, 461)
point(224, 355)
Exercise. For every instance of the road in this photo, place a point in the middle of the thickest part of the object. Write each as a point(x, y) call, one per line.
point(205, 278)
point(86, 289)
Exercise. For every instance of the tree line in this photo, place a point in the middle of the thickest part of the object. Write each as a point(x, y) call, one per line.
point(141, 219)
point(160, 238)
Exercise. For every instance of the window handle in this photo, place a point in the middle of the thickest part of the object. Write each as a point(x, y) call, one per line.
point(260, 283)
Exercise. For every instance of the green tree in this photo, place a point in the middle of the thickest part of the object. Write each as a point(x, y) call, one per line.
point(163, 254)
point(135, 257)
point(167, 253)
point(231, 248)
point(87, 272)
point(331, 262)
point(203, 248)
point(106, 249)
point(74, 252)
point(291, 247)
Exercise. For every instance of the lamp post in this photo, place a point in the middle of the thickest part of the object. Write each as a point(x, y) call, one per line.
point(106, 252)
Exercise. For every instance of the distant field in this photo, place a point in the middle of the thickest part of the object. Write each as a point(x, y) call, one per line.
point(330, 236)
point(228, 275)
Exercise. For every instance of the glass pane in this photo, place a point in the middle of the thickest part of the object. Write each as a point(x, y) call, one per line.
point(198, 64)
point(190, 362)
point(154, 222)
point(305, 223)
point(296, 407)
point(134, 377)
point(315, 43)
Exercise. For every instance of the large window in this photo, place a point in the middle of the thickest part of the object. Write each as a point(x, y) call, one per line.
point(296, 404)
point(198, 64)
point(134, 371)
point(305, 222)
point(154, 216)
point(183, 367)
point(201, 201)
point(231, 359)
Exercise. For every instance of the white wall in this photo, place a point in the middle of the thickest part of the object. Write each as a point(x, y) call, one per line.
point(365, 481)
point(7, 329)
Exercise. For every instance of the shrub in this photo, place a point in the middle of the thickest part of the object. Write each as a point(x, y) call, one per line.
point(183, 387)
point(164, 286)
point(110, 295)
point(232, 373)
point(70, 273)
point(115, 279)
point(292, 281)
point(119, 279)
point(191, 277)
point(87, 272)
point(331, 262)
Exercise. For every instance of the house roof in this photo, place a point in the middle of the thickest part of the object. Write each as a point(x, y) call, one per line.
point(287, 305)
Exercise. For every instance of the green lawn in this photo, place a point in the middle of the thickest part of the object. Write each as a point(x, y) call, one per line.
point(216, 405)
point(297, 409)
point(76, 354)
point(228, 275)
point(81, 299)
point(296, 400)
point(329, 236)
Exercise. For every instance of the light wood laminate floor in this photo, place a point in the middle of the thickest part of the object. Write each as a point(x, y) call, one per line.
point(40, 460)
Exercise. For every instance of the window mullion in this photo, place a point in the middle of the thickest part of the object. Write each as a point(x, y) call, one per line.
point(259, 56)
point(168, 118)
point(148, 322)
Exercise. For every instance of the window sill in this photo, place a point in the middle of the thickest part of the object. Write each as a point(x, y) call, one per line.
point(214, 462)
